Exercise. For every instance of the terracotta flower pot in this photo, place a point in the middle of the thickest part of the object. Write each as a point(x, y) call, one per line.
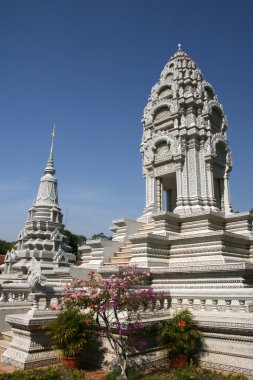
point(178, 361)
point(70, 361)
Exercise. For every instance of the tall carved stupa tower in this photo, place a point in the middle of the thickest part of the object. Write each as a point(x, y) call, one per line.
point(198, 252)
point(186, 156)
point(42, 236)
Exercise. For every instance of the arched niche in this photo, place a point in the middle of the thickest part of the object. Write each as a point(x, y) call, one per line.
point(216, 118)
point(163, 149)
point(220, 141)
point(164, 92)
point(220, 148)
point(209, 92)
point(163, 139)
point(169, 77)
point(162, 117)
point(221, 152)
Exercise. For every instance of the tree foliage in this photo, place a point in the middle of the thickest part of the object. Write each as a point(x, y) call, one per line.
point(74, 241)
point(117, 305)
point(6, 246)
point(100, 235)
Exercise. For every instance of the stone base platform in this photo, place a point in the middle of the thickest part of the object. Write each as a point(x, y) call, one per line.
point(29, 347)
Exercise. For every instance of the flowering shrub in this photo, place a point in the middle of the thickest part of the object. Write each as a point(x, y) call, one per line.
point(116, 305)
point(182, 336)
point(181, 324)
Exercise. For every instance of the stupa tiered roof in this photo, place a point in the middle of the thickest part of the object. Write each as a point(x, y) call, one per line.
point(42, 236)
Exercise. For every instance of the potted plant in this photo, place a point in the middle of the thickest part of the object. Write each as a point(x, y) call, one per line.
point(70, 333)
point(182, 338)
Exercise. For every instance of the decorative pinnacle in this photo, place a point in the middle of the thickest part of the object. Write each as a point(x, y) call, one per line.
point(179, 47)
point(49, 169)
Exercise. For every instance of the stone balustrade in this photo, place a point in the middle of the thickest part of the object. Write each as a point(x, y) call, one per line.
point(15, 293)
point(208, 304)
point(45, 300)
point(20, 294)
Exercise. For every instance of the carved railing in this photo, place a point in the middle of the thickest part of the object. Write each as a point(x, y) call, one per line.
point(15, 293)
point(47, 296)
point(22, 294)
point(214, 304)
point(46, 299)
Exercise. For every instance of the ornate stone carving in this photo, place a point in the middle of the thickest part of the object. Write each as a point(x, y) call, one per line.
point(34, 273)
point(184, 107)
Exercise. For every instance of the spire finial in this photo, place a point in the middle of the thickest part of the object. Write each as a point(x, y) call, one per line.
point(53, 131)
point(53, 136)
point(50, 164)
point(179, 47)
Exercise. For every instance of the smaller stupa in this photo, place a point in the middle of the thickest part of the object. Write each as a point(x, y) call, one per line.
point(43, 235)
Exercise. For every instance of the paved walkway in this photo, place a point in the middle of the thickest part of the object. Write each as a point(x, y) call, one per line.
point(4, 368)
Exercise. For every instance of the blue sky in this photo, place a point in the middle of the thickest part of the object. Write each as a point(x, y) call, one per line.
point(89, 66)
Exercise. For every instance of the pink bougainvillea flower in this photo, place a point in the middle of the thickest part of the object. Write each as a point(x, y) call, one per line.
point(54, 307)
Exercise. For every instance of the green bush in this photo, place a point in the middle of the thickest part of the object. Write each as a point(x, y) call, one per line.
point(114, 374)
point(62, 373)
point(130, 372)
point(70, 332)
point(193, 373)
point(182, 337)
point(49, 373)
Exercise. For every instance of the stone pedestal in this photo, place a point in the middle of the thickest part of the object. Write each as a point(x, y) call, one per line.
point(29, 347)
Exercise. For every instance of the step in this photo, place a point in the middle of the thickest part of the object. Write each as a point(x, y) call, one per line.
point(123, 260)
point(4, 344)
point(6, 335)
point(145, 231)
point(117, 264)
point(125, 249)
point(149, 227)
point(122, 254)
point(115, 260)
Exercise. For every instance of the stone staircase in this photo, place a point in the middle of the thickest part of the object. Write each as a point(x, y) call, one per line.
point(124, 254)
point(5, 339)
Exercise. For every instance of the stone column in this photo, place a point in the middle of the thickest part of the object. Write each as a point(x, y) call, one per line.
point(210, 184)
point(192, 173)
point(147, 191)
point(221, 191)
point(179, 168)
point(150, 194)
point(227, 204)
point(202, 172)
point(158, 194)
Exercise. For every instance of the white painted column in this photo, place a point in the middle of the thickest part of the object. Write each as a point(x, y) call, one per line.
point(158, 194)
point(210, 184)
point(227, 203)
point(221, 190)
point(150, 194)
point(147, 191)
point(179, 167)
